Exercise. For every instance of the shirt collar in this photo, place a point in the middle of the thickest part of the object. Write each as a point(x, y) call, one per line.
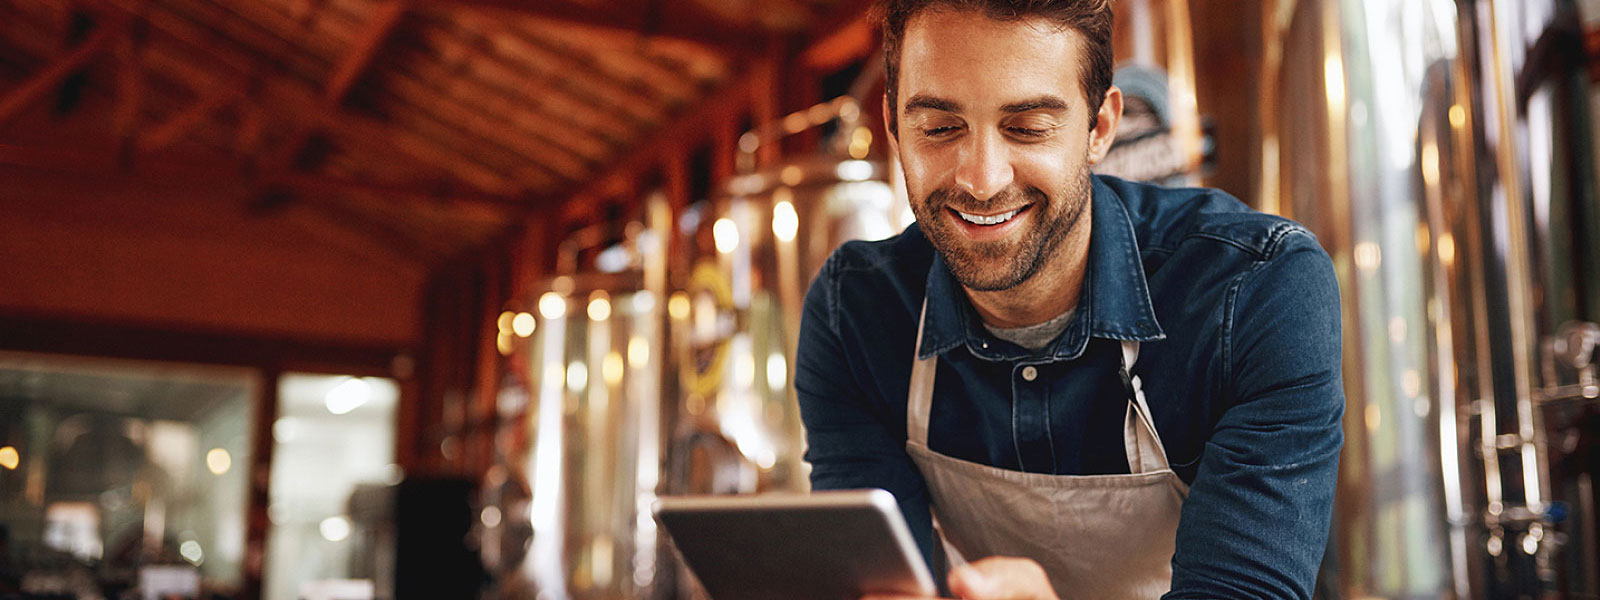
point(1114, 303)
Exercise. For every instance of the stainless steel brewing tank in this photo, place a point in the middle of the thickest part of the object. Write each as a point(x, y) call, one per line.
point(1432, 151)
point(759, 245)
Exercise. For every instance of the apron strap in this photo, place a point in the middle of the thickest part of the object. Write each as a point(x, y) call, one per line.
point(920, 400)
point(1139, 438)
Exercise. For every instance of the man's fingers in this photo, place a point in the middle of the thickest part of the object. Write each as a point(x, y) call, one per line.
point(1001, 578)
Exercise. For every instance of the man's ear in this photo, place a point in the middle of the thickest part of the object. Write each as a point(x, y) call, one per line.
point(893, 128)
point(1105, 127)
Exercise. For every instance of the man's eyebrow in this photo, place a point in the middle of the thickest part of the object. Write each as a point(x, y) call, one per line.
point(924, 101)
point(1040, 103)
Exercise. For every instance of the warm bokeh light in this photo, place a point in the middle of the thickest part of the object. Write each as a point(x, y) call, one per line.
point(1447, 249)
point(791, 175)
point(1458, 116)
point(612, 368)
point(190, 550)
point(777, 372)
point(552, 305)
point(577, 377)
point(504, 322)
point(523, 324)
point(1368, 256)
point(638, 352)
point(9, 458)
point(490, 516)
point(785, 223)
point(334, 529)
point(860, 142)
point(599, 307)
point(854, 170)
point(348, 396)
point(726, 235)
point(218, 461)
point(678, 305)
point(502, 342)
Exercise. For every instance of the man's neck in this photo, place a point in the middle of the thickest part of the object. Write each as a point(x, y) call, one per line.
point(1049, 293)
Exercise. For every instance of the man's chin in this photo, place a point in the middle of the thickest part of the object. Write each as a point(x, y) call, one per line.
point(986, 275)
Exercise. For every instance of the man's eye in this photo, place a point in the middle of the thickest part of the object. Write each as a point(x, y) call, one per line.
point(1028, 132)
point(940, 131)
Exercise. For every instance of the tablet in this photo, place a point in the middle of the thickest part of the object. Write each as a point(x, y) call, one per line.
point(835, 545)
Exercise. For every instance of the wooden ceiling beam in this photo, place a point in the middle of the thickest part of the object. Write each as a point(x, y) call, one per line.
point(41, 83)
point(694, 126)
point(385, 19)
point(478, 55)
point(197, 167)
point(679, 22)
point(357, 60)
point(715, 111)
point(296, 106)
point(182, 122)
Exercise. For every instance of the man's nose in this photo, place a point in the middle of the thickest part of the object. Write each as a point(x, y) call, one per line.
point(985, 166)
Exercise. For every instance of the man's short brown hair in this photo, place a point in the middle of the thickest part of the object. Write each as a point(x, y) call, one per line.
point(1091, 19)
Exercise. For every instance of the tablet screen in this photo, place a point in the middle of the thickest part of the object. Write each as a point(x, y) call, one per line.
point(836, 545)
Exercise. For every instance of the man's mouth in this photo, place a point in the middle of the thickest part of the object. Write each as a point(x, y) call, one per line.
point(994, 219)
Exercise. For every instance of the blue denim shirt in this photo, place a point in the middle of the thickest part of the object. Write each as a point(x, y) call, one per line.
point(1237, 313)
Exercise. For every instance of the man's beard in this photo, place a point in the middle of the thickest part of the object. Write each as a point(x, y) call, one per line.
point(1003, 264)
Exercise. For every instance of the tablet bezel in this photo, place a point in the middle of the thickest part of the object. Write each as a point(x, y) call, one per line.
point(879, 501)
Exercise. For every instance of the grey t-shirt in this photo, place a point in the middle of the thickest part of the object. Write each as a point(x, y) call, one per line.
point(1033, 337)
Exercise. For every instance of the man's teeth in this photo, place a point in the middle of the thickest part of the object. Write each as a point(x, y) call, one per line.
point(990, 220)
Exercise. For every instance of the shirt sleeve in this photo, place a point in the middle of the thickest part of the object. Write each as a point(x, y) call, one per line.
point(1256, 521)
point(852, 442)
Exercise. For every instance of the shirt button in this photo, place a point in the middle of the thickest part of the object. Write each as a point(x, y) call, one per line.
point(1029, 373)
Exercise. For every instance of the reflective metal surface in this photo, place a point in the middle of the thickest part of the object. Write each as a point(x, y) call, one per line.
point(1443, 153)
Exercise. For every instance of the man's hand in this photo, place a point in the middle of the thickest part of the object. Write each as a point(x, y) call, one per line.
point(995, 578)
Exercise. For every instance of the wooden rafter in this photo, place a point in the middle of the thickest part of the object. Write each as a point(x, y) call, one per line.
point(51, 76)
point(695, 125)
point(210, 168)
point(681, 21)
point(382, 23)
point(385, 18)
point(477, 54)
point(184, 121)
point(130, 82)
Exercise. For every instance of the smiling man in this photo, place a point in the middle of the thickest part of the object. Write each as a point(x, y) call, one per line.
point(1075, 386)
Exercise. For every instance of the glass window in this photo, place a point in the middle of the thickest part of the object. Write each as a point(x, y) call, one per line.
point(333, 450)
point(111, 471)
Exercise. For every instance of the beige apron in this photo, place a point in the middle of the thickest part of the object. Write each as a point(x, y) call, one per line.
point(1097, 536)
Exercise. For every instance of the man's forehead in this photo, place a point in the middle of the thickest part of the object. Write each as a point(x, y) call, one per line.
point(969, 59)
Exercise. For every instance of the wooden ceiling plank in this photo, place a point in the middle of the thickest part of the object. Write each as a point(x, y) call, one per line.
point(576, 76)
point(691, 127)
point(480, 57)
point(576, 143)
point(184, 121)
point(130, 85)
point(231, 28)
point(490, 136)
point(207, 167)
point(709, 114)
point(41, 83)
point(292, 104)
point(604, 127)
point(621, 66)
point(680, 23)
point(381, 23)
point(359, 58)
